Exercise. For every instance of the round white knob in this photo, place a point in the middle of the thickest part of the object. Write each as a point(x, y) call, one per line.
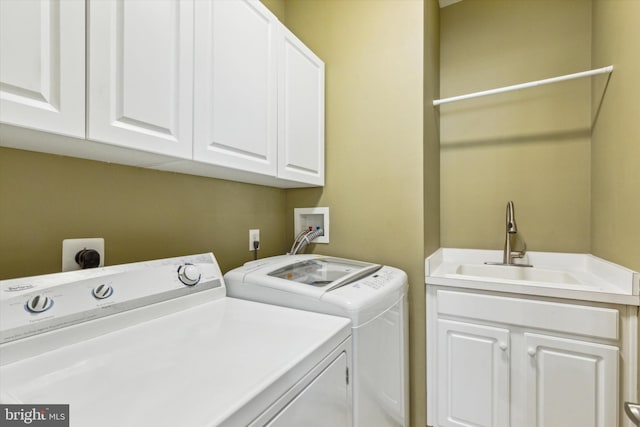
point(531, 351)
point(503, 346)
point(189, 274)
point(39, 303)
point(102, 291)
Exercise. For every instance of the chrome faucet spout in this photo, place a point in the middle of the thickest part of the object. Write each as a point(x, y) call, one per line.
point(511, 229)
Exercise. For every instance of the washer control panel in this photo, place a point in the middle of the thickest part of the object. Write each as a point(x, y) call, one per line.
point(33, 305)
point(384, 277)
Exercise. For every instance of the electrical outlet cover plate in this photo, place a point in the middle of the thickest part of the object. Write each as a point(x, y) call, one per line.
point(70, 247)
point(254, 234)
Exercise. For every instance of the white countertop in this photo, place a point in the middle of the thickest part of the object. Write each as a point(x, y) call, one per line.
point(595, 279)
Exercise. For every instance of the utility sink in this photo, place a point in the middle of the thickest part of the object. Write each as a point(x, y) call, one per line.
point(527, 274)
point(562, 275)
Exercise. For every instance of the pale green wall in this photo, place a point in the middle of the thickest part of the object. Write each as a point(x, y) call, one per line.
point(431, 159)
point(615, 160)
point(567, 154)
point(431, 162)
point(615, 143)
point(530, 146)
point(373, 52)
point(142, 214)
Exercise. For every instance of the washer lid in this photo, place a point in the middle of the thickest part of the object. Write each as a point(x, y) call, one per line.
point(369, 289)
point(328, 273)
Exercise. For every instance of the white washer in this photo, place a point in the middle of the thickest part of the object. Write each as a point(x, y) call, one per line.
point(372, 296)
point(159, 343)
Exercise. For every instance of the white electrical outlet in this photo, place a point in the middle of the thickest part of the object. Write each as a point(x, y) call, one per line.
point(254, 236)
point(70, 247)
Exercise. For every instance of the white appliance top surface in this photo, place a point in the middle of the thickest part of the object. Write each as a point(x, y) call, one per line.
point(369, 293)
point(194, 367)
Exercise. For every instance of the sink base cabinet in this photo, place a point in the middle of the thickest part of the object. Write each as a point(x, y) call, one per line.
point(495, 360)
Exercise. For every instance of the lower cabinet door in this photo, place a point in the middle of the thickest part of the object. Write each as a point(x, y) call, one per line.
point(570, 382)
point(323, 403)
point(473, 375)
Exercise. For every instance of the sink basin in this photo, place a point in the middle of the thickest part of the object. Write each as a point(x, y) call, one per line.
point(562, 275)
point(532, 274)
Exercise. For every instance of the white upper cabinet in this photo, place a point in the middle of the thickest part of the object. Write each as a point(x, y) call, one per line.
point(259, 94)
point(236, 85)
point(141, 75)
point(217, 88)
point(300, 112)
point(42, 65)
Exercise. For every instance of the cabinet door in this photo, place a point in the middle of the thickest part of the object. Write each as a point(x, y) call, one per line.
point(235, 86)
point(141, 74)
point(473, 375)
point(571, 383)
point(300, 112)
point(324, 402)
point(42, 63)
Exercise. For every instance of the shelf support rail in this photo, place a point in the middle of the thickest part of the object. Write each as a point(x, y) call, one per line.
point(511, 88)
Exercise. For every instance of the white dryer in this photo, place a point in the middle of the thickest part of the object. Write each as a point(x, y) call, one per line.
point(373, 296)
point(159, 343)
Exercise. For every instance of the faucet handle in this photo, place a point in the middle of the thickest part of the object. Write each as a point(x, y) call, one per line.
point(519, 254)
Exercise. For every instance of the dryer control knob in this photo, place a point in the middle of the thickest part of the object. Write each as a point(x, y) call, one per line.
point(39, 303)
point(102, 291)
point(189, 274)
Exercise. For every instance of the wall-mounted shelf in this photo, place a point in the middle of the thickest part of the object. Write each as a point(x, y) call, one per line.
point(603, 70)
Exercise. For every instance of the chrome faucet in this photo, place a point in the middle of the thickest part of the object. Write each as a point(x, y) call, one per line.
point(511, 229)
